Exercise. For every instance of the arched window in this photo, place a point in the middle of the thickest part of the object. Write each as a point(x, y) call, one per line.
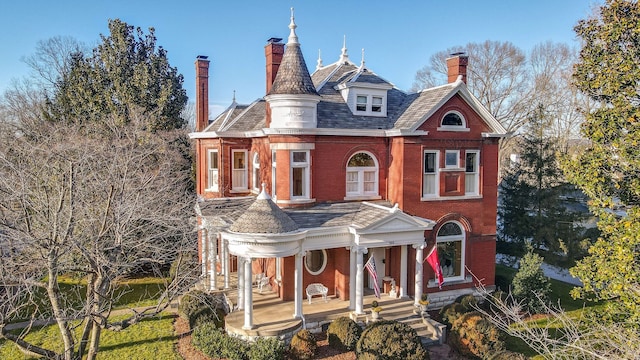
point(453, 120)
point(451, 244)
point(362, 175)
point(256, 172)
point(315, 261)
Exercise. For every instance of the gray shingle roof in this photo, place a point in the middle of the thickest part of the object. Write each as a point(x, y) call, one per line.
point(293, 76)
point(261, 216)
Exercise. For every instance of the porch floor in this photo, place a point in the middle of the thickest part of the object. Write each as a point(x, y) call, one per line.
point(274, 317)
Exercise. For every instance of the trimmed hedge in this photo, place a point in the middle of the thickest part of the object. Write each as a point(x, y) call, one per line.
point(303, 345)
point(215, 343)
point(390, 340)
point(199, 307)
point(267, 348)
point(343, 333)
point(474, 336)
point(449, 313)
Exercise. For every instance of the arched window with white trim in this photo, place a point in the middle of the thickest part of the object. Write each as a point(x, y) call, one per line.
point(453, 121)
point(362, 175)
point(451, 245)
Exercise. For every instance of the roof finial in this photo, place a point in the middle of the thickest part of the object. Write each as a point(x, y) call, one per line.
point(319, 64)
point(234, 96)
point(263, 193)
point(343, 56)
point(293, 38)
point(362, 62)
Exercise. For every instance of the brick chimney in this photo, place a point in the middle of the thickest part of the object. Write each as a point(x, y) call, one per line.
point(202, 92)
point(273, 52)
point(457, 65)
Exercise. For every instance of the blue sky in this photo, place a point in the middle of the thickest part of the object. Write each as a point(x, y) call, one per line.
point(398, 36)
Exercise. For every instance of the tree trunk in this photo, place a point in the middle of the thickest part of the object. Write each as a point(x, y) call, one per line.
point(53, 291)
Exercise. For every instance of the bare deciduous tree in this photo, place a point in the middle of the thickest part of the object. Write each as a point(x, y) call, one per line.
point(512, 86)
point(92, 207)
point(562, 336)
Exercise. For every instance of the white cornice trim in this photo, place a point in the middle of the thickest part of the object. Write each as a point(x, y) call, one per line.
point(317, 131)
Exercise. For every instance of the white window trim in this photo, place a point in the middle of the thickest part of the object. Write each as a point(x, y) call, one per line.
point(436, 174)
point(307, 176)
point(369, 105)
point(273, 175)
point(462, 238)
point(457, 165)
point(476, 174)
point(324, 262)
point(460, 128)
point(211, 173)
point(234, 187)
point(256, 172)
point(361, 194)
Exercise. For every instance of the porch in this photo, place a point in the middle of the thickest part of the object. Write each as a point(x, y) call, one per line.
point(274, 317)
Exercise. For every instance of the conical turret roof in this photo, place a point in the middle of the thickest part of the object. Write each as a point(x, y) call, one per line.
point(263, 217)
point(293, 76)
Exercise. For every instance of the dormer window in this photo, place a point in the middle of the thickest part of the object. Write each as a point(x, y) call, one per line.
point(453, 121)
point(361, 103)
point(376, 104)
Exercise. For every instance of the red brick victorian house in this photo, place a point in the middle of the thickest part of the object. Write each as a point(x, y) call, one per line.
point(331, 168)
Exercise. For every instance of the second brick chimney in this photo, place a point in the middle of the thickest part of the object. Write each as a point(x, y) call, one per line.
point(273, 52)
point(457, 66)
point(202, 92)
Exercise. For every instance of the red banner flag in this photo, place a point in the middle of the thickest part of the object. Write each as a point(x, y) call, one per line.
point(433, 260)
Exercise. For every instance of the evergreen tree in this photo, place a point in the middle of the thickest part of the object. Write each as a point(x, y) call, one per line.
point(609, 171)
point(530, 208)
point(530, 285)
point(124, 73)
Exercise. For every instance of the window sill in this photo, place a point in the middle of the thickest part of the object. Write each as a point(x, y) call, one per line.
point(239, 191)
point(453, 169)
point(445, 198)
point(453, 128)
point(296, 201)
point(448, 282)
point(362, 197)
point(211, 190)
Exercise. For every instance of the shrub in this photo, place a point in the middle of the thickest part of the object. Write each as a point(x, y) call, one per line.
point(469, 302)
point(473, 335)
point(390, 340)
point(449, 313)
point(343, 333)
point(199, 307)
point(530, 285)
point(215, 343)
point(267, 348)
point(303, 345)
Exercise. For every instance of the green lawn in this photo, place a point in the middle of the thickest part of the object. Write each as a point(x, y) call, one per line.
point(149, 339)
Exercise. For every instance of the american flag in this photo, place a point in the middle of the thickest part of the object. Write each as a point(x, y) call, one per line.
point(371, 268)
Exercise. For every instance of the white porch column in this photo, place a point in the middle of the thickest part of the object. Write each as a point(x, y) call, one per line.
point(297, 312)
point(225, 263)
point(213, 248)
point(204, 235)
point(241, 283)
point(352, 278)
point(419, 275)
point(403, 271)
point(359, 280)
point(248, 294)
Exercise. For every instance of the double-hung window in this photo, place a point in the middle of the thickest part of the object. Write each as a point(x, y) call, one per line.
point(430, 187)
point(361, 103)
point(300, 174)
point(472, 173)
point(239, 170)
point(362, 175)
point(212, 171)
